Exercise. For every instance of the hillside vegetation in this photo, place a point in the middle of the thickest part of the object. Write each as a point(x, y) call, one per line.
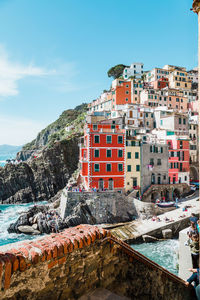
point(71, 118)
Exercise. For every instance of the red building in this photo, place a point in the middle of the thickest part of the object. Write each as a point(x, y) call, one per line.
point(161, 83)
point(178, 160)
point(102, 155)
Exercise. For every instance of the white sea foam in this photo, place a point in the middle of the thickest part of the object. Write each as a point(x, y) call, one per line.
point(9, 214)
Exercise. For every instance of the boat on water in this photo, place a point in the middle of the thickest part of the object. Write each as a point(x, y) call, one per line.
point(166, 204)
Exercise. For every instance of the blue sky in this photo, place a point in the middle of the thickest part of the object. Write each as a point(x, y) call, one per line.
point(55, 55)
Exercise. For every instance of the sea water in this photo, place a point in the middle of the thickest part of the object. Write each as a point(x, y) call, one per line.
point(9, 214)
point(164, 253)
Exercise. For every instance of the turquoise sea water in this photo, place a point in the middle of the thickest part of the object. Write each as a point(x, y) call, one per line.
point(9, 214)
point(164, 253)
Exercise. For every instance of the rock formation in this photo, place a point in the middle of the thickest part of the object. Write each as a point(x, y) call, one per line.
point(41, 177)
point(48, 161)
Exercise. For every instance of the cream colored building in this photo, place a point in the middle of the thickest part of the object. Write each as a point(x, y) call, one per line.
point(133, 167)
point(178, 79)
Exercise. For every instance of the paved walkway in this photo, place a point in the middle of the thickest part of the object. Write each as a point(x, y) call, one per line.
point(137, 228)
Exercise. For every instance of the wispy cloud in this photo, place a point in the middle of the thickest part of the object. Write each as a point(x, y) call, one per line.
point(59, 76)
point(18, 131)
point(11, 72)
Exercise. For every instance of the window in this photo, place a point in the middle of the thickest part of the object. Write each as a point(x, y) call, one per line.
point(159, 162)
point(137, 168)
point(161, 149)
point(108, 139)
point(108, 153)
point(129, 168)
point(177, 99)
point(112, 126)
point(185, 178)
point(170, 99)
point(108, 167)
point(120, 153)
point(127, 92)
point(128, 154)
point(151, 162)
point(120, 139)
point(96, 153)
point(151, 149)
point(95, 127)
point(181, 145)
point(127, 86)
point(126, 99)
point(134, 181)
point(179, 120)
point(96, 139)
point(136, 154)
point(96, 167)
point(184, 121)
point(132, 143)
point(120, 167)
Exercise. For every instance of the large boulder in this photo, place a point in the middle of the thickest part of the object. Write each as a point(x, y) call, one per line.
point(28, 230)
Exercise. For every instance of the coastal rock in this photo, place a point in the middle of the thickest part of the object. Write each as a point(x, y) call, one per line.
point(34, 221)
point(41, 177)
point(35, 226)
point(28, 230)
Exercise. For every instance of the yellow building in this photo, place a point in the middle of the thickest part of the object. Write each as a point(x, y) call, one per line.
point(133, 166)
point(178, 79)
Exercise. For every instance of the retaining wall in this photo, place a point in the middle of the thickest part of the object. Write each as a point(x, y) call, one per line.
point(70, 264)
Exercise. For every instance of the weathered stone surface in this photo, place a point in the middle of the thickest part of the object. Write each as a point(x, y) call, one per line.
point(39, 178)
point(167, 233)
point(96, 208)
point(82, 268)
point(26, 229)
point(35, 226)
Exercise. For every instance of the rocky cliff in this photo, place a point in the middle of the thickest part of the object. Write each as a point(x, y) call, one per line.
point(48, 161)
point(41, 177)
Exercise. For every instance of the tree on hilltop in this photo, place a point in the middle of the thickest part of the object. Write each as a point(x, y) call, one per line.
point(116, 71)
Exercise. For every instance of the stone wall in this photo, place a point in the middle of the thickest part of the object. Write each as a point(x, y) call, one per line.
point(96, 208)
point(70, 264)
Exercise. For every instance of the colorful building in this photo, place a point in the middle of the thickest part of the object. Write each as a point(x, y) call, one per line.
point(135, 70)
point(102, 155)
point(133, 166)
point(178, 160)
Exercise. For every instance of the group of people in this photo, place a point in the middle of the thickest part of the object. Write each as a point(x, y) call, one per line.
point(193, 243)
point(48, 221)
